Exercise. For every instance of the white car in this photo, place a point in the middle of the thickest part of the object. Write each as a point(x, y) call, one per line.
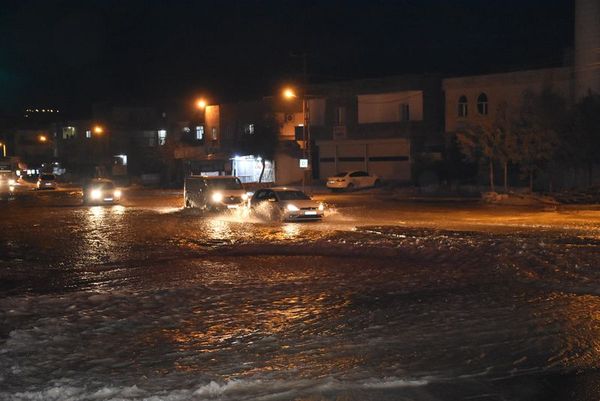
point(352, 180)
point(285, 204)
point(101, 191)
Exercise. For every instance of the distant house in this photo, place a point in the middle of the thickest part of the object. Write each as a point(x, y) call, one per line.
point(474, 99)
point(379, 125)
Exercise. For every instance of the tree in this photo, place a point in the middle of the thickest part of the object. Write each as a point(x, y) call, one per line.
point(538, 131)
point(481, 142)
point(508, 149)
point(262, 141)
point(586, 133)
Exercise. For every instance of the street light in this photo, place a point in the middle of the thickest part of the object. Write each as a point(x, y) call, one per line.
point(200, 104)
point(290, 94)
point(42, 138)
point(98, 129)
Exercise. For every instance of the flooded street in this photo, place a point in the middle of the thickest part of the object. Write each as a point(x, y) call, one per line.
point(382, 300)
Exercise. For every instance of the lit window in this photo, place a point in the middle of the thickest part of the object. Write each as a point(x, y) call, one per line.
point(482, 104)
point(162, 136)
point(404, 112)
point(214, 133)
point(68, 132)
point(463, 107)
point(249, 129)
point(88, 134)
point(200, 132)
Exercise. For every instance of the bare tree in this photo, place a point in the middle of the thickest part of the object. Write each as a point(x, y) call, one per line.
point(586, 133)
point(537, 131)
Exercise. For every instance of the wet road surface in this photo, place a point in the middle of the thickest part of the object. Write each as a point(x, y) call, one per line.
point(381, 301)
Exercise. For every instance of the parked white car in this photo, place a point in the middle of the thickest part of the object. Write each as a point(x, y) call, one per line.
point(352, 180)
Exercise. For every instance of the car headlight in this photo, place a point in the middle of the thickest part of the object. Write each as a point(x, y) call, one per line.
point(96, 194)
point(117, 193)
point(245, 197)
point(292, 208)
point(217, 197)
point(12, 182)
point(321, 207)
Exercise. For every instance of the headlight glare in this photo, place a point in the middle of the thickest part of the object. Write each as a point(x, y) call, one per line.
point(117, 193)
point(245, 197)
point(217, 197)
point(321, 207)
point(96, 194)
point(292, 208)
point(11, 182)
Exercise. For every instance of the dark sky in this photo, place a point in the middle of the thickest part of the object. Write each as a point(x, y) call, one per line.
point(69, 54)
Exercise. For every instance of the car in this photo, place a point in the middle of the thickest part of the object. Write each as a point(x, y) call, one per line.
point(46, 181)
point(352, 180)
point(101, 191)
point(214, 193)
point(285, 204)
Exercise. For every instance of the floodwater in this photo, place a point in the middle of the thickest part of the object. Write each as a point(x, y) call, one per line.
point(380, 301)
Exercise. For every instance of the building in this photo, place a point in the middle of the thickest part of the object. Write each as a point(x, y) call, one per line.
point(473, 100)
point(383, 126)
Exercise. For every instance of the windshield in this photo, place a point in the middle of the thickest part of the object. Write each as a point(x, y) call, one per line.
point(224, 183)
point(107, 186)
point(340, 174)
point(47, 177)
point(292, 195)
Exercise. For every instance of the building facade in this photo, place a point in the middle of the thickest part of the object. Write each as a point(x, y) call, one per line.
point(379, 125)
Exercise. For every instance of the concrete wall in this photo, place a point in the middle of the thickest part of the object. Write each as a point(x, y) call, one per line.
point(386, 107)
point(387, 158)
point(507, 87)
point(287, 170)
point(587, 46)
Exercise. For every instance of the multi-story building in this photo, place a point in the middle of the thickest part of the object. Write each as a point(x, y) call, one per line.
point(473, 100)
point(378, 125)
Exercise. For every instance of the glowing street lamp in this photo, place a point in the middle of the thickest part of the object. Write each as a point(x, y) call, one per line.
point(289, 93)
point(43, 138)
point(200, 104)
point(98, 130)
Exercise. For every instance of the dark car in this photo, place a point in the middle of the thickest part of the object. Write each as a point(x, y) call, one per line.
point(214, 193)
point(46, 181)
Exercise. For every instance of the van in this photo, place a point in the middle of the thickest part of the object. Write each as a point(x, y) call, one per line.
point(214, 193)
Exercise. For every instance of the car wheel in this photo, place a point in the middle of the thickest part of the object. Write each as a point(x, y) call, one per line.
point(350, 187)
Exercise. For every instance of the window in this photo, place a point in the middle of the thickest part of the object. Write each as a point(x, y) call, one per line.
point(162, 136)
point(200, 132)
point(88, 133)
point(249, 129)
point(214, 133)
point(68, 132)
point(404, 112)
point(340, 116)
point(482, 104)
point(463, 107)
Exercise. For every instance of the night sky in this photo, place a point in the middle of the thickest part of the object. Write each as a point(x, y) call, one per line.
point(69, 54)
